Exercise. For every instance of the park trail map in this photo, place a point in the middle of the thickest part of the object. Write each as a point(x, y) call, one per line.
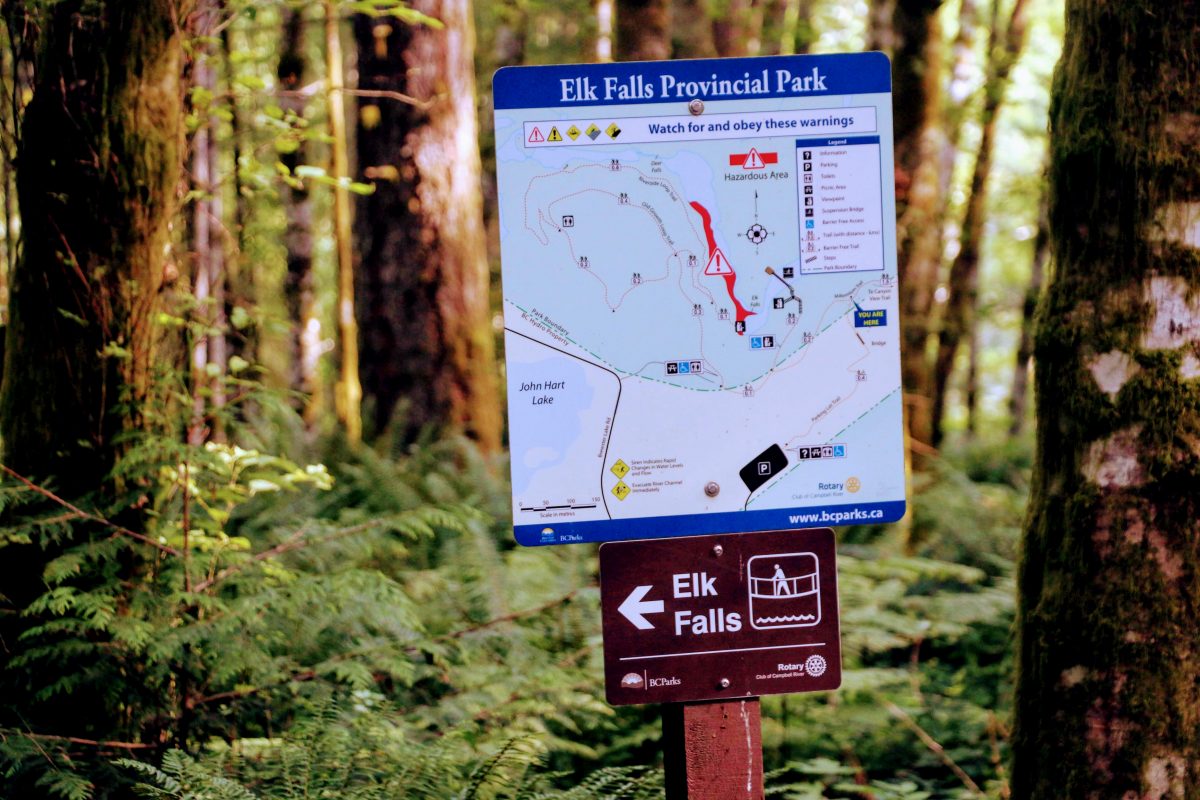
point(700, 308)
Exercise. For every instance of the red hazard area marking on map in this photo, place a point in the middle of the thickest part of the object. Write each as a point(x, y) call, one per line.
point(722, 265)
point(718, 264)
point(753, 159)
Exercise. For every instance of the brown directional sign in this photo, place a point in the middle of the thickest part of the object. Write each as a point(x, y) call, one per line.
point(726, 616)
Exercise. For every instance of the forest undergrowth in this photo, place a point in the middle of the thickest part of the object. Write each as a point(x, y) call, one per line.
point(356, 625)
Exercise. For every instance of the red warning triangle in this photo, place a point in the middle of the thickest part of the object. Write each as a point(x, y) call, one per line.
point(718, 264)
point(753, 160)
point(536, 136)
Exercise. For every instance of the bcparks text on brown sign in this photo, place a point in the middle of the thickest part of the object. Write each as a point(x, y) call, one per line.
point(725, 616)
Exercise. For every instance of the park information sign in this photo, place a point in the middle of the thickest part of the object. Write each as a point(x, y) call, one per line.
point(699, 272)
point(727, 616)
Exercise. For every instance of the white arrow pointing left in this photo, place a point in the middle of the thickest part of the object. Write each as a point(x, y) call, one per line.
point(635, 606)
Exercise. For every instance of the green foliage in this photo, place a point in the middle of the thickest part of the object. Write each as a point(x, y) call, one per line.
point(369, 626)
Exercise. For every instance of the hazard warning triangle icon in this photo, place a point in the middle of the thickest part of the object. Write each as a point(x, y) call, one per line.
point(535, 136)
point(753, 160)
point(718, 264)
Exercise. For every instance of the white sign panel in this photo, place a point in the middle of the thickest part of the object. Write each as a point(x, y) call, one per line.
point(699, 297)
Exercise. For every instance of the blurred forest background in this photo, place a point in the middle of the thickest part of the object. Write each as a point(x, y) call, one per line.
point(255, 536)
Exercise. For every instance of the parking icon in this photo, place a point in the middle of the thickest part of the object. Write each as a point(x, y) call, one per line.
point(764, 468)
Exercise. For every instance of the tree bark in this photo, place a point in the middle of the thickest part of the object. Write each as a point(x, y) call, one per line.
point(915, 35)
point(692, 29)
point(208, 250)
point(427, 341)
point(643, 30)
point(299, 291)
point(1019, 396)
point(1108, 689)
point(958, 318)
point(240, 284)
point(737, 29)
point(879, 25)
point(98, 168)
point(97, 172)
point(349, 384)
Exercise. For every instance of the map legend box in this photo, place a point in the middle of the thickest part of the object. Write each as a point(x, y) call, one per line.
point(846, 196)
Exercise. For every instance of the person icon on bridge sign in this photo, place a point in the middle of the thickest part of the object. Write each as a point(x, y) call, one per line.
point(780, 581)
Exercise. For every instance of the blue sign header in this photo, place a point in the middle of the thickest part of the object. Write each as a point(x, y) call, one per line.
point(578, 85)
point(837, 141)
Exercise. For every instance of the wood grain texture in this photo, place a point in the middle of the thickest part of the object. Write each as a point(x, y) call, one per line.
point(713, 751)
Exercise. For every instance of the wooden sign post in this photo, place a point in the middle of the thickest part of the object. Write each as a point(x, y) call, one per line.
point(713, 750)
point(705, 625)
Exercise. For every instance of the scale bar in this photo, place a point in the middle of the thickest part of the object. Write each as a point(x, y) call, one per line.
point(555, 508)
point(711, 652)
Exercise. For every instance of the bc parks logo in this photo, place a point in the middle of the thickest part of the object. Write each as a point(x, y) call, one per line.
point(634, 680)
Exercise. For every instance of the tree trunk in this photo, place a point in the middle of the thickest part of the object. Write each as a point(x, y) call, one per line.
point(958, 319)
point(8, 75)
point(972, 383)
point(299, 293)
point(879, 26)
point(643, 30)
point(97, 173)
point(916, 35)
point(240, 284)
point(796, 28)
point(349, 385)
point(98, 168)
point(1108, 689)
point(1019, 396)
point(692, 29)
point(737, 29)
point(427, 342)
point(605, 10)
point(208, 250)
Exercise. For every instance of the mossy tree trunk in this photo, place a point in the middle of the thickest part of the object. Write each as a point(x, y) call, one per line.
point(1108, 692)
point(98, 169)
point(427, 341)
point(349, 392)
point(97, 173)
